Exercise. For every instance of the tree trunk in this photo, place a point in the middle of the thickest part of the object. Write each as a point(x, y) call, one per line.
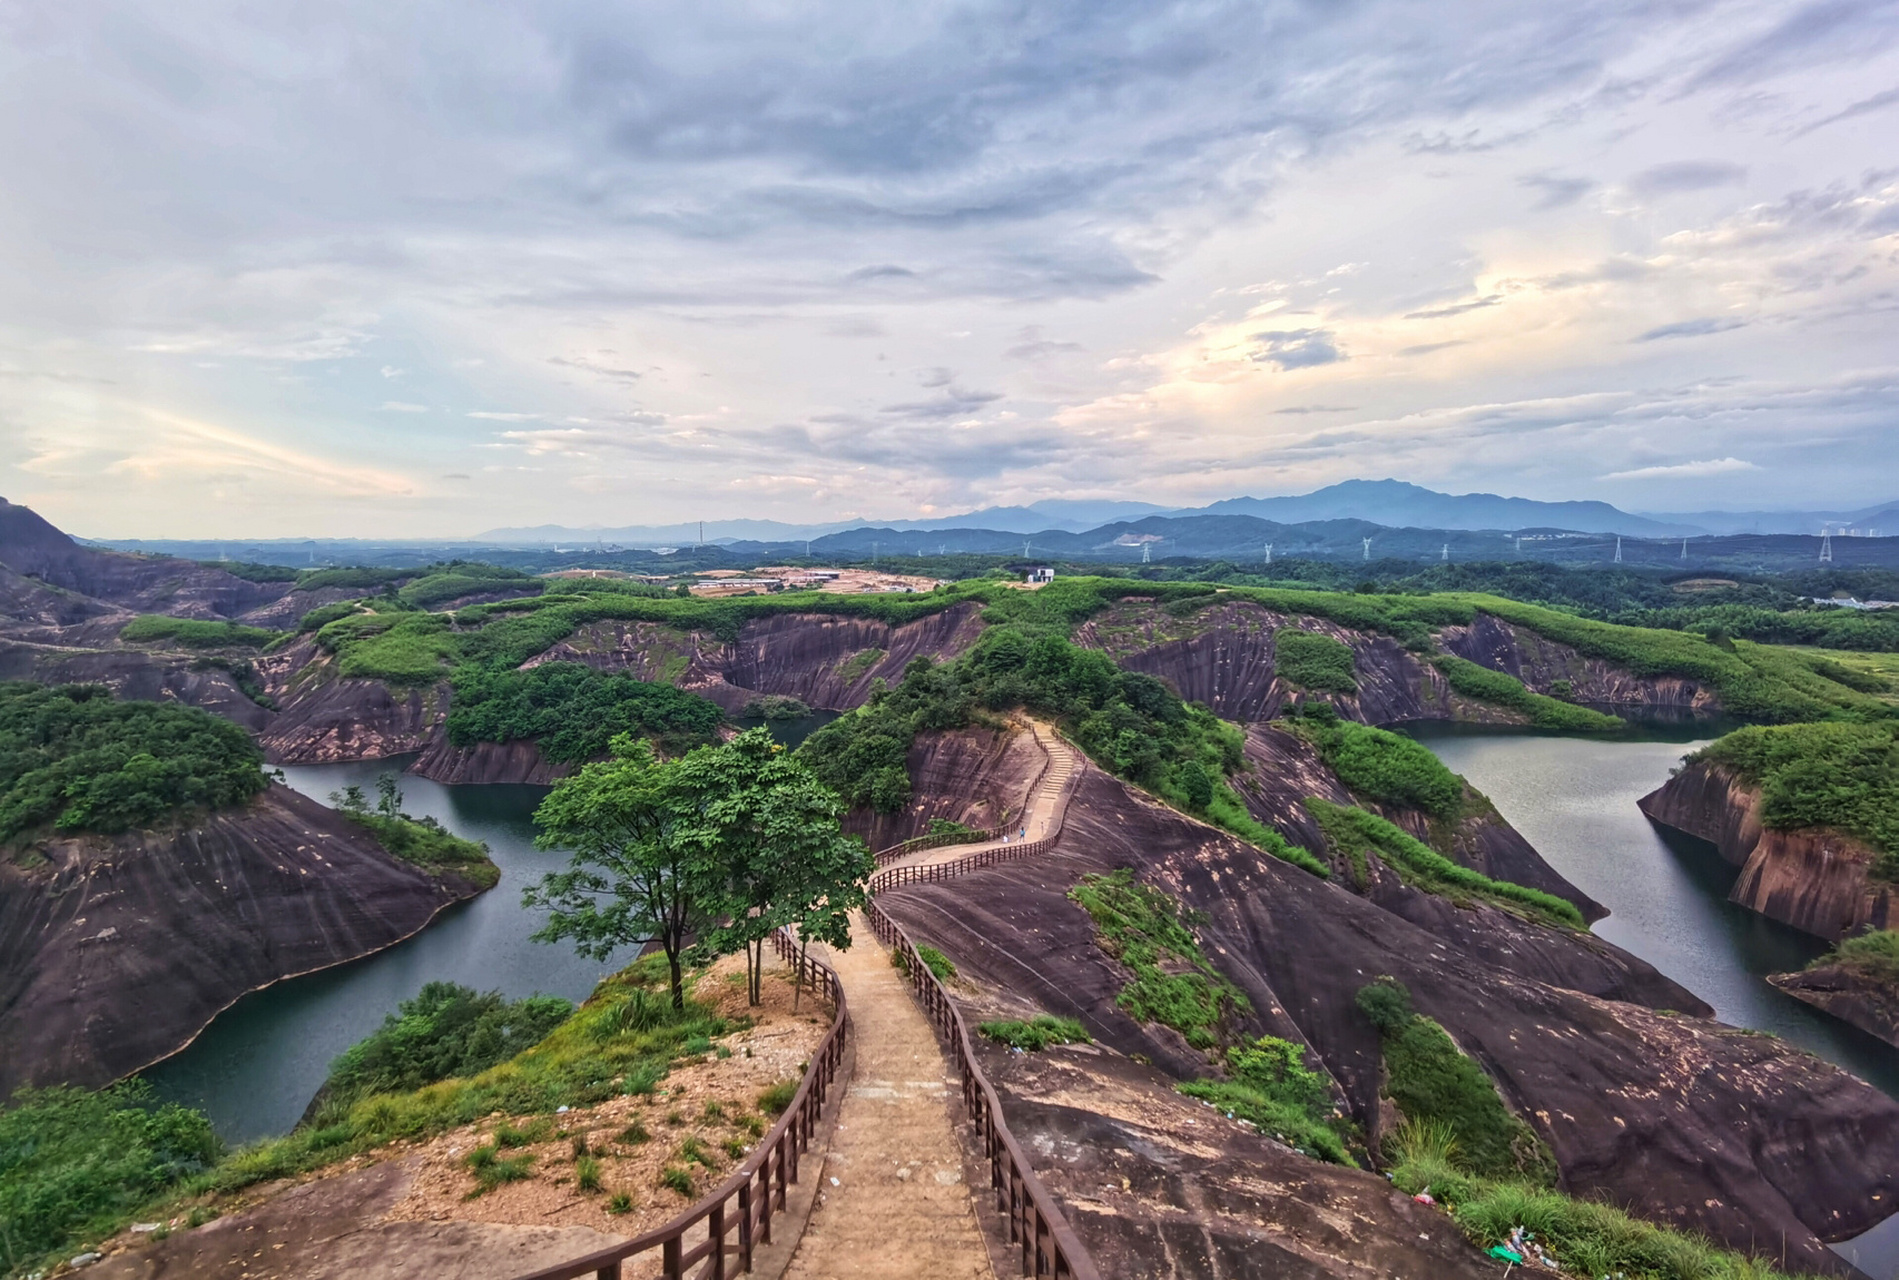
point(797, 980)
point(677, 975)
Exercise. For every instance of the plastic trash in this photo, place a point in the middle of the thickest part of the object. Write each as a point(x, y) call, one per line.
point(1507, 1255)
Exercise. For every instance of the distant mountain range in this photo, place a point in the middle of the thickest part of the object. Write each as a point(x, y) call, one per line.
point(1390, 504)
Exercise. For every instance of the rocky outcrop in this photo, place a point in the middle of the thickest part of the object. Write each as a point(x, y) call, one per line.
point(978, 776)
point(133, 673)
point(1815, 880)
point(1683, 1120)
point(35, 550)
point(326, 718)
point(1540, 662)
point(1155, 1184)
point(484, 762)
point(820, 659)
point(1849, 994)
point(116, 951)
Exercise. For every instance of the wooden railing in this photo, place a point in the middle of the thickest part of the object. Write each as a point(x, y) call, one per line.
point(891, 877)
point(745, 1202)
point(920, 844)
point(1036, 1227)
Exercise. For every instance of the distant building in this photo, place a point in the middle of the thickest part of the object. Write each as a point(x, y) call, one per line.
point(1041, 575)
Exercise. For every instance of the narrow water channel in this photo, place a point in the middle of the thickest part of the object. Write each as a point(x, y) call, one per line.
point(1574, 799)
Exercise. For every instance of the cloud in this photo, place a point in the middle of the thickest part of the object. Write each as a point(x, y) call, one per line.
point(1558, 192)
point(491, 416)
point(390, 371)
point(1686, 175)
point(1456, 309)
point(1426, 348)
point(589, 365)
point(402, 406)
point(1691, 329)
point(1296, 348)
point(1865, 106)
point(1678, 470)
point(1315, 408)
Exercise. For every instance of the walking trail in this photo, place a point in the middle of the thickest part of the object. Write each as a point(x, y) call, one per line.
point(892, 1201)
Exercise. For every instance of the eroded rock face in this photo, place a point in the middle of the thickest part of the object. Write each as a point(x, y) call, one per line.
point(116, 951)
point(132, 673)
point(1156, 1184)
point(1847, 994)
point(326, 719)
point(977, 776)
point(1688, 1121)
point(484, 762)
point(1539, 662)
point(1814, 880)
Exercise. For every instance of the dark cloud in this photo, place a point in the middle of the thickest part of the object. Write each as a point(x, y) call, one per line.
point(1296, 348)
point(1558, 192)
point(586, 365)
point(1456, 308)
point(1426, 348)
point(1865, 106)
point(1811, 34)
point(881, 272)
point(955, 402)
point(1686, 175)
point(1040, 349)
point(1691, 329)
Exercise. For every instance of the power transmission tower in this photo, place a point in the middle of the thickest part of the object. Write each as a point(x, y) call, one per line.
point(702, 533)
point(1145, 557)
point(1684, 549)
point(1269, 553)
point(1367, 542)
point(1025, 550)
point(1445, 555)
point(873, 552)
point(1519, 544)
point(1618, 548)
point(942, 548)
point(1826, 546)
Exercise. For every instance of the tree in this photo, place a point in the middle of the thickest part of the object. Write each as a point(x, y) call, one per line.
point(770, 827)
point(638, 873)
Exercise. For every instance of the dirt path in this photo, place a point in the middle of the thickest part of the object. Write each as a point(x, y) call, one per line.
point(1045, 807)
point(891, 1196)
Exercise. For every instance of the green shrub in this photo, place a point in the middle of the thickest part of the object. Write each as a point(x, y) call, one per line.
point(73, 758)
point(195, 633)
point(74, 1164)
point(1313, 661)
point(1272, 1088)
point(773, 1099)
point(1432, 1081)
point(1353, 832)
point(1842, 776)
point(587, 1174)
point(492, 1170)
point(774, 706)
point(619, 1202)
point(1382, 766)
point(1506, 690)
point(423, 842)
point(445, 1030)
point(963, 833)
point(324, 614)
point(936, 962)
point(1875, 954)
point(396, 648)
point(574, 711)
point(1037, 1033)
point(1146, 931)
point(677, 1179)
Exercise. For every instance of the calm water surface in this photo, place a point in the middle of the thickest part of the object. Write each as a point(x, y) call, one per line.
point(1574, 799)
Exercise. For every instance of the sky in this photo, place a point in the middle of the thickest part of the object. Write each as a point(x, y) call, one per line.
point(419, 270)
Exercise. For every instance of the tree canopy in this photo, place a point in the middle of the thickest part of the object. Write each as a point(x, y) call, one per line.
point(708, 853)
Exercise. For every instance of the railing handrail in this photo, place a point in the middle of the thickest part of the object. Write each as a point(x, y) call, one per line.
point(787, 1139)
point(1049, 1246)
point(922, 844)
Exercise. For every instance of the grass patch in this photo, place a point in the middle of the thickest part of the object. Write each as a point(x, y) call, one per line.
point(423, 842)
point(774, 1098)
point(1313, 661)
point(1841, 776)
point(74, 759)
point(1037, 1033)
point(852, 669)
point(1381, 766)
point(196, 633)
point(396, 648)
point(1434, 1083)
point(1147, 931)
point(1587, 1238)
point(1873, 955)
point(1354, 832)
point(1505, 690)
point(937, 963)
point(1271, 1087)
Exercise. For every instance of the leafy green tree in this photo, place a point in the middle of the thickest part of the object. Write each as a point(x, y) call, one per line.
point(771, 828)
point(638, 873)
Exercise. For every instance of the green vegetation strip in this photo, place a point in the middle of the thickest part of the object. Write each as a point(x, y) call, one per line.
point(574, 711)
point(1272, 1088)
point(1354, 832)
point(1172, 982)
point(1313, 661)
point(1873, 955)
point(1839, 776)
point(1434, 1083)
point(73, 759)
point(1381, 766)
point(423, 842)
point(1506, 690)
point(1036, 1033)
point(195, 633)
